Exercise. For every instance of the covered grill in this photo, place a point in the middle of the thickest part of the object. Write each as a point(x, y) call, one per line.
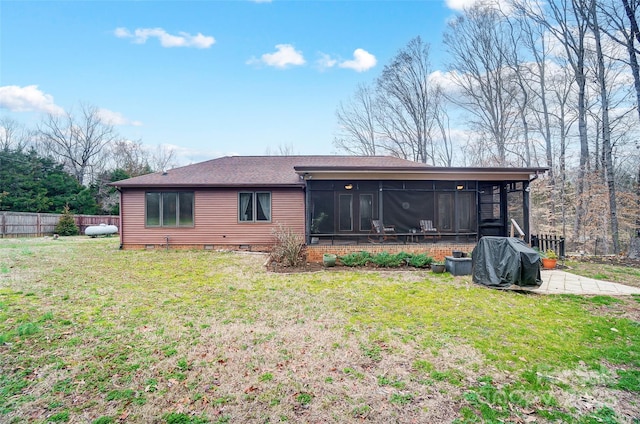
point(505, 261)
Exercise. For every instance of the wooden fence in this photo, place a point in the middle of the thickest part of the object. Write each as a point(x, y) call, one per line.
point(549, 242)
point(27, 224)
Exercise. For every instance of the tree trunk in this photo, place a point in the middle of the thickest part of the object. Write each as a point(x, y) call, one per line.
point(584, 152)
point(635, 70)
point(606, 130)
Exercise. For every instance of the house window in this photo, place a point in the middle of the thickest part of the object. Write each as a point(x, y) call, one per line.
point(254, 206)
point(169, 209)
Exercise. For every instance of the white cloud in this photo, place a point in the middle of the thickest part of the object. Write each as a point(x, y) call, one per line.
point(362, 61)
point(446, 81)
point(460, 4)
point(183, 39)
point(116, 118)
point(285, 56)
point(261, 1)
point(27, 99)
point(326, 61)
point(188, 155)
point(122, 33)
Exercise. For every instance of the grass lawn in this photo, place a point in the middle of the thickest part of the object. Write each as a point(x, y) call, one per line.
point(628, 274)
point(92, 334)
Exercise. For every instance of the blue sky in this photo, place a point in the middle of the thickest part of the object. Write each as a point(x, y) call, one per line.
point(208, 77)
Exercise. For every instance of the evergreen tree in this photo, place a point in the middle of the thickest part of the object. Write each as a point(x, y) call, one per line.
point(67, 225)
point(30, 183)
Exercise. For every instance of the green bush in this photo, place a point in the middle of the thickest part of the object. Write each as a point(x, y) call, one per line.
point(420, 260)
point(387, 260)
point(356, 259)
point(67, 225)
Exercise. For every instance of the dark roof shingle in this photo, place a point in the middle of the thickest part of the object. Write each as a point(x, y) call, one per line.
point(233, 171)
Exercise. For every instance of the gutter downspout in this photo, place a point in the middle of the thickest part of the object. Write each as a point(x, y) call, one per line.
point(307, 214)
point(526, 206)
point(120, 216)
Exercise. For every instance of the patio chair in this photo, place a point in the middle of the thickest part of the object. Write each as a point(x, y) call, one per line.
point(381, 232)
point(428, 230)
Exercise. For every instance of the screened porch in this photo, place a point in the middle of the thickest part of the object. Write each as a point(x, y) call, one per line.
point(412, 211)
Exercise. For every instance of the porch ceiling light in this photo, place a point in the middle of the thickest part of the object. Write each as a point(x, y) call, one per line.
point(459, 187)
point(348, 186)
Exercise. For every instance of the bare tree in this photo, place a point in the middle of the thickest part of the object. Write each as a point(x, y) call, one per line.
point(622, 27)
point(521, 78)
point(565, 21)
point(404, 114)
point(534, 39)
point(13, 135)
point(162, 158)
point(406, 101)
point(77, 141)
point(357, 119)
point(130, 156)
point(283, 149)
point(477, 45)
point(589, 13)
point(560, 85)
point(443, 154)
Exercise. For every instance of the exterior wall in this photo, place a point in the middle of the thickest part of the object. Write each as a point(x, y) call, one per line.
point(436, 250)
point(216, 224)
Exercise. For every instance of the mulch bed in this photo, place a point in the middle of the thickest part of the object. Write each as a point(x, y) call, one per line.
point(316, 267)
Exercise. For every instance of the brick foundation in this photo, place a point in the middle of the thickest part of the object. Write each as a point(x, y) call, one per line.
point(436, 250)
point(314, 252)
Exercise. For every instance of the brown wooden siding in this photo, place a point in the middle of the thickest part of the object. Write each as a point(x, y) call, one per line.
point(215, 220)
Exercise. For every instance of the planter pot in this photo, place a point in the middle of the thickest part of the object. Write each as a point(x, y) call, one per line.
point(329, 260)
point(549, 263)
point(437, 268)
point(457, 266)
point(457, 254)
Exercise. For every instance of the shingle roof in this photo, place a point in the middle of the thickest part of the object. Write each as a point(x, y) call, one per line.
point(230, 171)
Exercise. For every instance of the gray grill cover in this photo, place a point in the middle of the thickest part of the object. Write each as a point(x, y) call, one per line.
point(505, 261)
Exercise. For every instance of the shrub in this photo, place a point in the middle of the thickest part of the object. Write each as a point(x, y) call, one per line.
point(387, 260)
point(420, 260)
point(356, 259)
point(289, 249)
point(403, 256)
point(67, 225)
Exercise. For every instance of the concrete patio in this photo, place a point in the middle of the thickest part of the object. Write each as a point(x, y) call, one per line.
point(561, 282)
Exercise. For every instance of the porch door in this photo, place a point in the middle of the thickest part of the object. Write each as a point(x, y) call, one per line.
point(491, 210)
point(365, 211)
point(345, 212)
point(356, 207)
point(445, 212)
